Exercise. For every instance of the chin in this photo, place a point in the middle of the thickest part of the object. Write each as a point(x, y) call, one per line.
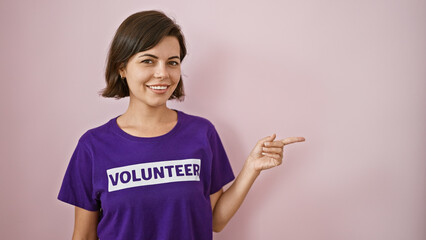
point(157, 103)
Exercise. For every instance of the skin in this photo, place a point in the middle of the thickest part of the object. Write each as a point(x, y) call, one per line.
point(149, 116)
point(266, 154)
point(85, 224)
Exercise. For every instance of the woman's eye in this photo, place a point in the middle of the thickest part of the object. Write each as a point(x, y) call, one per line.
point(173, 63)
point(147, 61)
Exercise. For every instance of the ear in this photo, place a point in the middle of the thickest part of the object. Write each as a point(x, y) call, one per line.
point(122, 70)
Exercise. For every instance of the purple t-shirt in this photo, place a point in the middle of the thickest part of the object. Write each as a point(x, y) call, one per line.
point(149, 188)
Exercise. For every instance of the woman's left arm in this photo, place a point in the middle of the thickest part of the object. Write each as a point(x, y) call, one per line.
point(266, 154)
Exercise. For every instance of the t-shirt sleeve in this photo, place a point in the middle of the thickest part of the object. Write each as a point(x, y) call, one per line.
point(221, 172)
point(77, 185)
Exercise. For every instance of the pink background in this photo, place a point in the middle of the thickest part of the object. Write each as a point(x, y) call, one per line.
point(349, 76)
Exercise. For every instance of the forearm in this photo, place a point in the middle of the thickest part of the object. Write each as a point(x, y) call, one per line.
point(84, 238)
point(87, 236)
point(231, 200)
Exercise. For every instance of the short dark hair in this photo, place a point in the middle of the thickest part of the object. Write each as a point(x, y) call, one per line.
point(139, 32)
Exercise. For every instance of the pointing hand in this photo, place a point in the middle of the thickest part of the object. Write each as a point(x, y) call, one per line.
point(269, 153)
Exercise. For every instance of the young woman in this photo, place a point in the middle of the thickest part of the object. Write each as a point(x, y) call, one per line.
point(154, 172)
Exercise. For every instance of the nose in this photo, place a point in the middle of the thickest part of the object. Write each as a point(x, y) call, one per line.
point(161, 71)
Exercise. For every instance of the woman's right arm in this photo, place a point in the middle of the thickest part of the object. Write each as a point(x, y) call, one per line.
point(85, 225)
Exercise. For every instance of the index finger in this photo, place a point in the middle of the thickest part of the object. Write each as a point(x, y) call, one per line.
point(291, 140)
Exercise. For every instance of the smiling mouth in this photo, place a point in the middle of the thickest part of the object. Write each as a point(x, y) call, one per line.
point(158, 87)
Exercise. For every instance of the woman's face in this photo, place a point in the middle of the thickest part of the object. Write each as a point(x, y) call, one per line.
point(153, 75)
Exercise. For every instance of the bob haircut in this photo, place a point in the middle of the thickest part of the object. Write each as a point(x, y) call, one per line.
point(139, 32)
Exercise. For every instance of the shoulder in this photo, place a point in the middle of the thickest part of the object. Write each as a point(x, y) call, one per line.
point(198, 125)
point(195, 120)
point(97, 133)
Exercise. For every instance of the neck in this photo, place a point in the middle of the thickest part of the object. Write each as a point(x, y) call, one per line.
point(139, 113)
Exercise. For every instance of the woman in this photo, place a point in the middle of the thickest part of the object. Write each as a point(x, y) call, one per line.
point(154, 172)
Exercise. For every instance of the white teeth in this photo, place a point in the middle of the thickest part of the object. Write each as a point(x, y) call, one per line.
point(158, 87)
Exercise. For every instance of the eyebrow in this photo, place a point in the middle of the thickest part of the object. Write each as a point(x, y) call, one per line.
point(153, 56)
